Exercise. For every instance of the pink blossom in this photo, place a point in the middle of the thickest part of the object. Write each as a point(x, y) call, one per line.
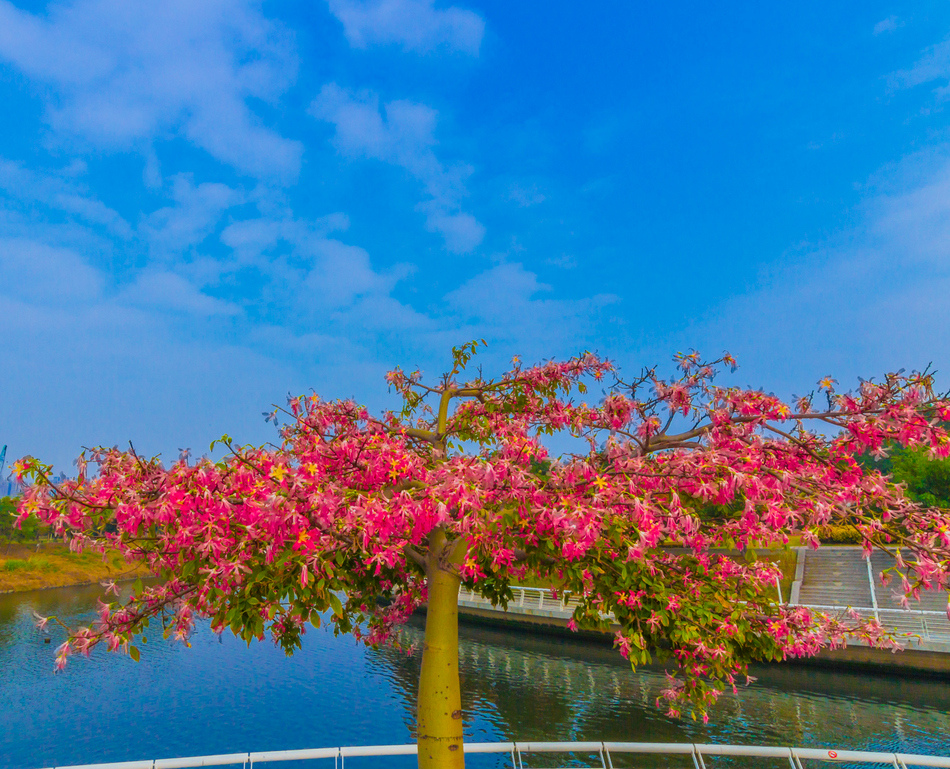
point(349, 503)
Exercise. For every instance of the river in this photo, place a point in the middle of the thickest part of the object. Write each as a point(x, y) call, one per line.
point(222, 696)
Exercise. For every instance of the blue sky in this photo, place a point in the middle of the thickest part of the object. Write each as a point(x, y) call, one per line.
point(204, 206)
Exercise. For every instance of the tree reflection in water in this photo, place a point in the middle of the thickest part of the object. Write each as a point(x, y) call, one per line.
point(221, 697)
point(518, 686)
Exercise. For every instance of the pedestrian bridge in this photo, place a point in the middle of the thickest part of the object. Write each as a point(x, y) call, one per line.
point(552, 755)
point(833, 580)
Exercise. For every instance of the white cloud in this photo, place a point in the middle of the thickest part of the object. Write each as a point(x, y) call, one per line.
point(253, 236)
point(933, 65)
point(340, 274)
point(525, 196)
point(402, 133)
point(416, 25)
point(319, 276)
point(126, 73)
point(462, 232)
point(61, 193)
point(43, 274)
point(870, 300)
point(105, 373)
point(913, 224)
point(887, 25)
point(146, 362)
point(507, 303)
point(174, 229)
point(168, 291)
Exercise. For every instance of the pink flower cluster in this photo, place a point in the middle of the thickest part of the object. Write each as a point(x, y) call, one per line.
point(680, 477)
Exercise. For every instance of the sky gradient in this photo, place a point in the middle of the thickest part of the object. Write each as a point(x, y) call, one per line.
point(205, 206)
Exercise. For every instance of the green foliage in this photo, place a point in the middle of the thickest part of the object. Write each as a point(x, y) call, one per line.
point(927, 480)
point(30, 530)
point(31, 564)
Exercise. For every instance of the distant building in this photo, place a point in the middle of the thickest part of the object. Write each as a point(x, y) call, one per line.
point(10, 488)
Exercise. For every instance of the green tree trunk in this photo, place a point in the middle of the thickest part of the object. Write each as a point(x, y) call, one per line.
point(439, 704)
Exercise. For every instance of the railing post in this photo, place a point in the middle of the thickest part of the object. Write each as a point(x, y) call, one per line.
point(698, 758)
point(799, 575)
point(877, 614)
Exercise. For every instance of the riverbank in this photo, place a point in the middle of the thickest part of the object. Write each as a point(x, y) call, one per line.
point(24, 567)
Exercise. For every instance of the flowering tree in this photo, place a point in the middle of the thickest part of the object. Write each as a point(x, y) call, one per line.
point(367, 518)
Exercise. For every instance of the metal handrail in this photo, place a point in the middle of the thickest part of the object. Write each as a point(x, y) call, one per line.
point(563, 599)
point(516, 750)
point(533, 598)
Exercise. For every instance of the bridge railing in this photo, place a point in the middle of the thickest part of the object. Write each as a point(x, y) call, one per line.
point(930, 626)
point(600, 754)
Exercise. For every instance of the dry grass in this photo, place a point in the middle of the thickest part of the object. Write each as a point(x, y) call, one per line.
point(22, 568)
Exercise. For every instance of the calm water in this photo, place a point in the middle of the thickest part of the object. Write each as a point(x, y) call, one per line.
point(222, 697)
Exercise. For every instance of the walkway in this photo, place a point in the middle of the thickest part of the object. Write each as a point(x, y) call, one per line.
point(835, 577)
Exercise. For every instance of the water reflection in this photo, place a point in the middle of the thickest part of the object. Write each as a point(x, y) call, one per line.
point(543, 688)
point(222, 696)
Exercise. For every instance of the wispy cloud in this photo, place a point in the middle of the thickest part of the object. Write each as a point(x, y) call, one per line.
point(869, 300)
point(889, 24)
point(57, 191)
point(402, 133)
point(933, 65)
point(174, 230)
point(416, 25)
point(124, 74)
point(525, 195)
point(509, 304)
point(41, 274)
point(319, 276)
point(167, 291)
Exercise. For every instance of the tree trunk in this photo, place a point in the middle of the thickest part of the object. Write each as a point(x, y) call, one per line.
point(439, 704)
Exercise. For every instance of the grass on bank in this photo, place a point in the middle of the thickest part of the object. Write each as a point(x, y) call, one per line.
point(54, 565)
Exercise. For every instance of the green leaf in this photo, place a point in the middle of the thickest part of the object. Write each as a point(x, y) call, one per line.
point(336, 605)
point(134, 653)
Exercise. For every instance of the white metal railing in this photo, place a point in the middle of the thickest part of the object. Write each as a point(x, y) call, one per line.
point(604, 752)
point(931, 626)
point(531, 598)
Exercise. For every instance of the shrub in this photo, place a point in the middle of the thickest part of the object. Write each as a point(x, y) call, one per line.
point(839, 535)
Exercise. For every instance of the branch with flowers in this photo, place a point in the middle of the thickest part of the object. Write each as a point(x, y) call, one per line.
point(365, 519)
